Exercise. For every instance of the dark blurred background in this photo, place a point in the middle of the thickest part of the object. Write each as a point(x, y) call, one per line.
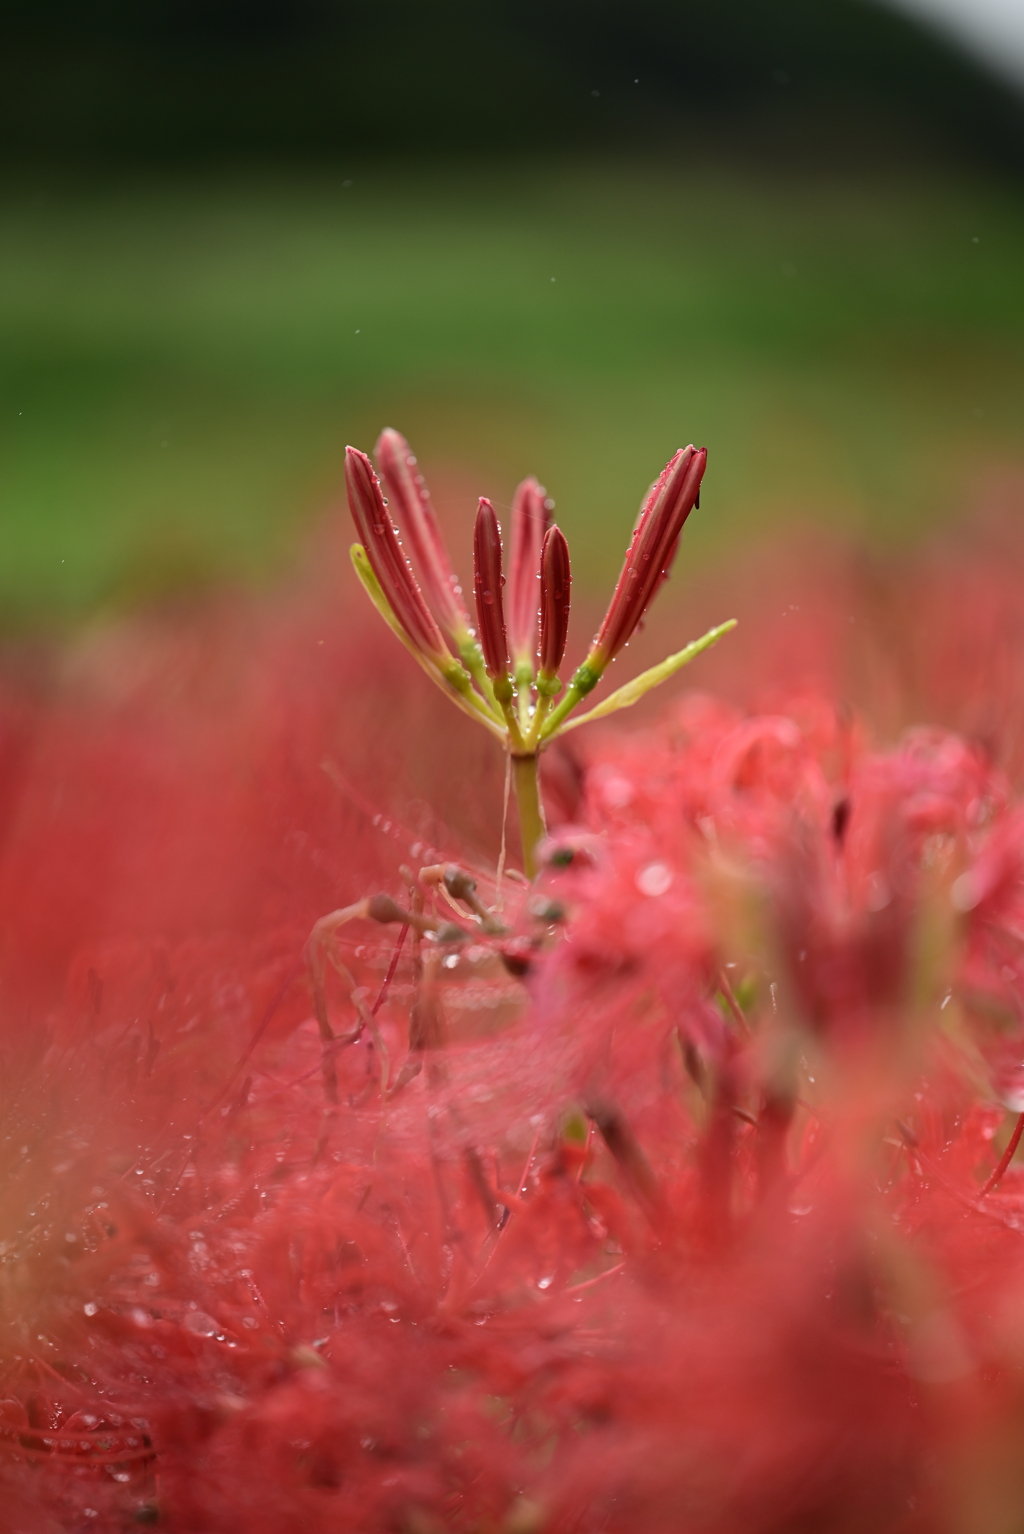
point(561, 238)
point(195, 81)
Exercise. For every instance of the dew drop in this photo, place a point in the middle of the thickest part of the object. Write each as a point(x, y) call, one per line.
point(201, 1324)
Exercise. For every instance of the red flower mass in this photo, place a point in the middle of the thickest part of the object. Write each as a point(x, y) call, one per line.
point(668, 1193)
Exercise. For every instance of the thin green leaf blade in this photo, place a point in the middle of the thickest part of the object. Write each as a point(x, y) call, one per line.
point(632, 692)
point(470, 702)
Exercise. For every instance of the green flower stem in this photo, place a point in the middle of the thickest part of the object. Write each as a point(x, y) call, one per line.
point(524, 711)
point(548, 687)
point(473, 660)
point(523, 676)
point(531, 815)
point(584, 680)
point(506, 701)
point(516, 740)
point(540, 713)
point(445, 670)
point(457, 679)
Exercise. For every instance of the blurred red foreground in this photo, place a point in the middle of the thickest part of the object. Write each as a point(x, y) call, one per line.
point(696, 1221)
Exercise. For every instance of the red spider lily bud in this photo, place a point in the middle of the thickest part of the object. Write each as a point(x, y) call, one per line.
point(488, 580)
point(417, 520)
point(555, 583)
point(655, 539)
point(531, 515)
point(379, 538)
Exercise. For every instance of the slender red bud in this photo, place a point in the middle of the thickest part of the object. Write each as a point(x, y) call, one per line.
point(379, 538)
point(655, 540)
point(555, 583)
point(488, 580)
point(531, 516)
point(417, 521)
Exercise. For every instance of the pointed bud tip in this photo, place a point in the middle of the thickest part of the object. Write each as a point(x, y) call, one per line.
point(359, 475)
point(652, 550)
point(411, 509)
point(378, 537)
point(531, 516)
point(354, 456)
point(390, 441)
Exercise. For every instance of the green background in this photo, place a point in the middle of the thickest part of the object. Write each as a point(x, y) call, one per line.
point(183, 361)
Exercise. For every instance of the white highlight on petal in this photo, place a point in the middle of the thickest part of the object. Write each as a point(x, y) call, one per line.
point(654, 879)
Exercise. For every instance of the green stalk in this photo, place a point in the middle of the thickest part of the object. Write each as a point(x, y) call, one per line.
point(473, 660)
point(523, 673)
point(531, 814)
point(584, 679)
point(540, 713)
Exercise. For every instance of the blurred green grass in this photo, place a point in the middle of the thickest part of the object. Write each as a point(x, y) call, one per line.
point(181, 363)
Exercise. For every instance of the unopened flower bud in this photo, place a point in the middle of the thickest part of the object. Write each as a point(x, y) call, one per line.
point(555, 583)
point(650, 553)
point(531, 514)
point(379, 538)
point(417, 521)
point(488, 581)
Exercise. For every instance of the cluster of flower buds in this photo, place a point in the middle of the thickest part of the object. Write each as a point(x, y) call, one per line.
point(504, 669)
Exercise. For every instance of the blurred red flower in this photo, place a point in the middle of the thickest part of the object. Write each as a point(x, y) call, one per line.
point(686, 1217)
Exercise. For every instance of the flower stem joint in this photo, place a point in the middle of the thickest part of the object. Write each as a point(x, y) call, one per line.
point(506, 674)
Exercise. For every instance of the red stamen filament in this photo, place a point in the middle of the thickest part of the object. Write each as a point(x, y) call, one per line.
point(1005, 1158)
